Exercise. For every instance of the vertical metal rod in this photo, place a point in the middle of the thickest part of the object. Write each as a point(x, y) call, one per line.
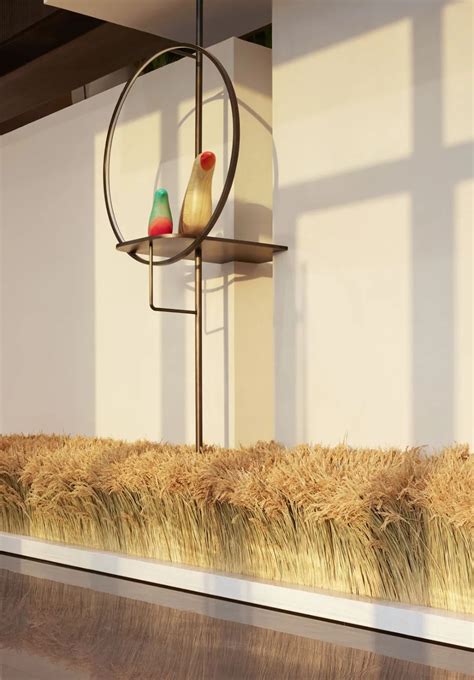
point(198, 345)
point(150, 274)
point(198, 258)
point(199, 66)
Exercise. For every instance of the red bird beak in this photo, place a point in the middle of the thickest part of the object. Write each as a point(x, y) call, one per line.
point(207, 160)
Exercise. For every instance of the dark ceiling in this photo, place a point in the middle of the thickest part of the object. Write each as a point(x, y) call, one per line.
point(29, 34)
point(46, 53)
point(16, 15)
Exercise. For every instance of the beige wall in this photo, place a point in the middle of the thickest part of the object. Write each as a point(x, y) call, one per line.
point(82, 352)
point(1, 297)
point(373, 129)
point(372, 169)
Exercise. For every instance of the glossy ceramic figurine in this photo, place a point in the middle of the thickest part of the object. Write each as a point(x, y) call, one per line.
point(160, 221)
point(197, 204)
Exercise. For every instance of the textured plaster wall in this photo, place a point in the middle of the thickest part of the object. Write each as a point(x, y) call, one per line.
point(81, 351)
point(373, 130)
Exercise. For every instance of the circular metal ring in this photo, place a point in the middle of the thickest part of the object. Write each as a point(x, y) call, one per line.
point(232, 163)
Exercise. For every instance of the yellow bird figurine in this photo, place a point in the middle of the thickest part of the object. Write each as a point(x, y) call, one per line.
point(197, 205)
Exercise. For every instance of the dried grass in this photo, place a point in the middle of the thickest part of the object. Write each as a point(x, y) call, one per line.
point(390, 524)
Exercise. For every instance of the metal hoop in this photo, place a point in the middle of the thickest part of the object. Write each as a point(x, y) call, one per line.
point(232, 163)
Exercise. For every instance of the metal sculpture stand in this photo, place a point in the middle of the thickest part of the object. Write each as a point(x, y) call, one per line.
point(197, 52)
point(203, 247)
point(198, 252)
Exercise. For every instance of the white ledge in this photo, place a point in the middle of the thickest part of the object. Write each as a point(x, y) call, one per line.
point(421, 622)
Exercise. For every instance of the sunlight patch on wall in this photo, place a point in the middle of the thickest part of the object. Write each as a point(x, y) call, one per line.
point(128, 344)
point(334, 103)
point(356, 322)
point(458, 72)
point(135, 158)
point(463, 318)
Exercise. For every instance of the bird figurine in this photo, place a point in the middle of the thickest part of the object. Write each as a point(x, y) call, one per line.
point(197, 205)
point(160, 221)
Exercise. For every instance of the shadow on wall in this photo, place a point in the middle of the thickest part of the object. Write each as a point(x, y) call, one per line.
point(73, 358)
point(249, 220)
point(428, 176)
point(240, 219)
point(48, 281)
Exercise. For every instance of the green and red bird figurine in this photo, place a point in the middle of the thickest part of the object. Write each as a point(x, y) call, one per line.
point(160, 221)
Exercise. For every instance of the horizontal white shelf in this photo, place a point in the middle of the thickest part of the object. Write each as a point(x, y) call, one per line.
point(420, 622)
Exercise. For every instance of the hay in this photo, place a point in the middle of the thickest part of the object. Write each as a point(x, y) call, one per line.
point(389, 524)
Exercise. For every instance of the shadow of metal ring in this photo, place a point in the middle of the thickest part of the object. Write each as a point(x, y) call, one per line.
point(193, 49)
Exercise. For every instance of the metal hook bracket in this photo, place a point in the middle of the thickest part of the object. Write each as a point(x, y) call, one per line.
point(150, 290)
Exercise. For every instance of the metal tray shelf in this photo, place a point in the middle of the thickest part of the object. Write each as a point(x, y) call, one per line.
point(214, 248)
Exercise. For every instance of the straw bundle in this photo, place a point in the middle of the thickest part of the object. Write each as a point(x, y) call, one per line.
point(390, 524)
point(116, 638)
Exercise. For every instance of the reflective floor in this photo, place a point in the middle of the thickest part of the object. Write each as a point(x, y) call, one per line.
point(73, 625)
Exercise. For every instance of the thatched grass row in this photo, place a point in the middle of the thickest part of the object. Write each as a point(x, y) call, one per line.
point(389, 524)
